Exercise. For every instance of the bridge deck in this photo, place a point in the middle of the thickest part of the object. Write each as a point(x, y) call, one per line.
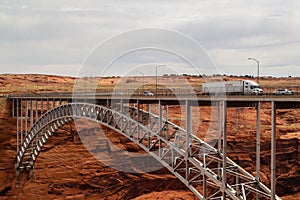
point(285, 102)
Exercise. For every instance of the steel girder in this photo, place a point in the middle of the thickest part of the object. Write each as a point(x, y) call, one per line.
point(198, 165)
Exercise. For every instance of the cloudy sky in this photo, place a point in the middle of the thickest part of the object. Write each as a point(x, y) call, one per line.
point(57, 36)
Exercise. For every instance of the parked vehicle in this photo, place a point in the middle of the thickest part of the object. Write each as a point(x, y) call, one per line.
point(283, 92)
point(231, 87)
point(148, 93)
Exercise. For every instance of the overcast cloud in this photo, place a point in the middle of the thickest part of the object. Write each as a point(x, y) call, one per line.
point(55, 36)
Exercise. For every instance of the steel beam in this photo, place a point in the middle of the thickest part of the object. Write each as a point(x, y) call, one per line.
point(204, 178)
point(224, 121)
point(219, 126)
point(31, 113)
point(257, 144)
point(187, 136)
point(121, 106)
point(17, 118)
point(13, 107)
point(167, 119)
point(160, 117)
point(42, 107)
point(258, 141)
point(273, 151)
point(36, 110)
point(21, 118)
point(159, 132)
point(48, 106)
point(26, 117)
point(139, 118)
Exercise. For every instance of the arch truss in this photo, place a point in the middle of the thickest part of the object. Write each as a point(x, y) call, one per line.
point(203, 169)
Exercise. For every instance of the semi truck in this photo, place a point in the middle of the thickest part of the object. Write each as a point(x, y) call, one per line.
point(231, 87)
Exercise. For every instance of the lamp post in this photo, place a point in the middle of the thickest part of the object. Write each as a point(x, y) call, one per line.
point(143, 78)
point(156, 77)
point(257, 68)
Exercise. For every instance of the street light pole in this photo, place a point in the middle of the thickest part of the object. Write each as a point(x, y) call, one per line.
point(156, 77)
point(257, 68)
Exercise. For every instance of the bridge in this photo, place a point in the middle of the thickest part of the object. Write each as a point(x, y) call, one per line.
point(204, 169)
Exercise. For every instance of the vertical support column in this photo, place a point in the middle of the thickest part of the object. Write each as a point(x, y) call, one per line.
point(224, 120)
point(26, 117)
point(21, 118)
point(159, 131)
point(42, 107)
point(13, 107)
point(121, 106)
point(138, 118)
point(107, 113)
point(48, 105)
point(258, 141)
point(219, 125)
point(273, 151)
point(17, 117)
point(138, 111)
point(204, 177)
point(36, 110)
point(107, 103)
point(149, 116)
point(31, 113)
point(160, 117)
point(167, 125)
point(188, 133)
point(122, 111)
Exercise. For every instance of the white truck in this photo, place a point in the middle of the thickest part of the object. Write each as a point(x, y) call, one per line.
point(231, 87)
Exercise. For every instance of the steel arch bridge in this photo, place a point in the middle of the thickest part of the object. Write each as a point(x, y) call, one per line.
point(203, 169)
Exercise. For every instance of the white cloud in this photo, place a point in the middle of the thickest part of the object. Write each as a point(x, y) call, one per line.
point(61, 33)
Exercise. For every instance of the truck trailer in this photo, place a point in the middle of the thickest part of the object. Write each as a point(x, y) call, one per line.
point(231, 87)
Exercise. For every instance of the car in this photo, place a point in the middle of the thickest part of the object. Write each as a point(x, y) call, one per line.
point(283, 92)
point(148, 93)
point(257, 91)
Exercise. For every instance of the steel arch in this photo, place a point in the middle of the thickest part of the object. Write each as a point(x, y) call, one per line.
point(197, 167)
